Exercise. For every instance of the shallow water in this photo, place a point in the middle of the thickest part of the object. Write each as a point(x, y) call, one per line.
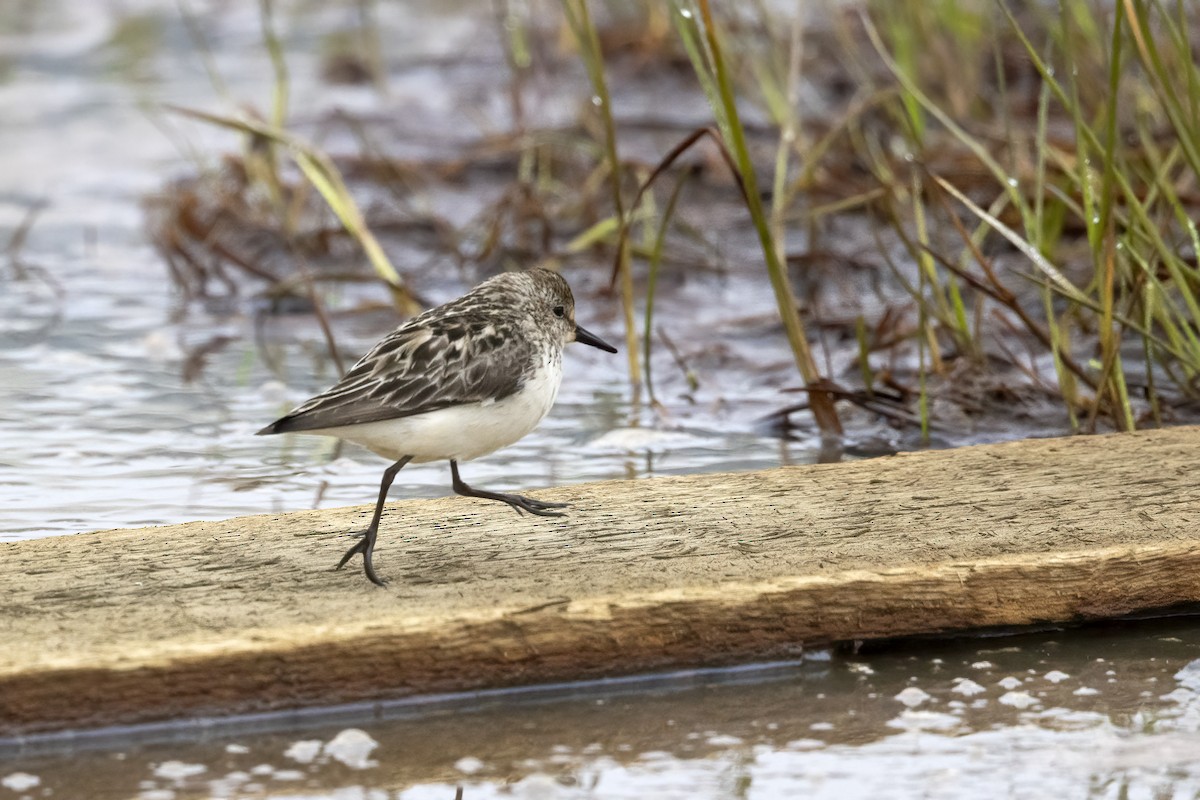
point(99, 430)
point(1102, 712)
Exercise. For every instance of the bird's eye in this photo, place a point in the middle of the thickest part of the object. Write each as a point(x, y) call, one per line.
point(559, 311)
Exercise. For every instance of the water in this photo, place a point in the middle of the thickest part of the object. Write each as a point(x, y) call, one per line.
point(1108, 711)
point(99, 430)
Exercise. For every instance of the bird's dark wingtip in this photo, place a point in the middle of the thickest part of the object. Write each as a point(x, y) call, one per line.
point(292, 423)
point(274, 427)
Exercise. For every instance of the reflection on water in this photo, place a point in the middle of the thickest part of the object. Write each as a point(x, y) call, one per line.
point(1101, 712)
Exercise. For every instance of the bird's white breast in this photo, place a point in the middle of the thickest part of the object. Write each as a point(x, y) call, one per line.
point(466, 431)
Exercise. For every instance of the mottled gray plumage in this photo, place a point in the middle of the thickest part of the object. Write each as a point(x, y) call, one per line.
point(476, 348)
point(454, 383)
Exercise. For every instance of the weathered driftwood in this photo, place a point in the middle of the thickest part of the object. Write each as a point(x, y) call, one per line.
point(243, 615)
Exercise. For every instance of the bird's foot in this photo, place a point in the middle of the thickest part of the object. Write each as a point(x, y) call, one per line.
point(539, 507)
point(366, 546)
point(520, 503)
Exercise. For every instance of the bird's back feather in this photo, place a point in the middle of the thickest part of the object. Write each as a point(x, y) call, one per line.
point(451, 355)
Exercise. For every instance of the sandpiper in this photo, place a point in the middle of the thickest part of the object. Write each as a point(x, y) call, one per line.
point(456, 382)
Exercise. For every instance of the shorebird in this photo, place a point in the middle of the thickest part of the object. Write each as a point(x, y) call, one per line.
point(454, 383)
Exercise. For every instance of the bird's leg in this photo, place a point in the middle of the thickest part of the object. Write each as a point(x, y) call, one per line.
point(519, 503)
point(366, 545)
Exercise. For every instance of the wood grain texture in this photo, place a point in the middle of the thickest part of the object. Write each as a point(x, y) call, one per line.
point(245, 614)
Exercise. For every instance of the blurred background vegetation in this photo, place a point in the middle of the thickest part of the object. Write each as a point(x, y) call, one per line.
point(967, 199)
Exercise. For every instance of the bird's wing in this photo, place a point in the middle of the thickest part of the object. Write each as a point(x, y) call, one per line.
point(422, 366)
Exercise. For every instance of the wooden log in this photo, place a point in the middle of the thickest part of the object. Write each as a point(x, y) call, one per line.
point(213, 618)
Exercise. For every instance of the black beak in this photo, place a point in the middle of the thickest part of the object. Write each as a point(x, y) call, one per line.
point(590, 338)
